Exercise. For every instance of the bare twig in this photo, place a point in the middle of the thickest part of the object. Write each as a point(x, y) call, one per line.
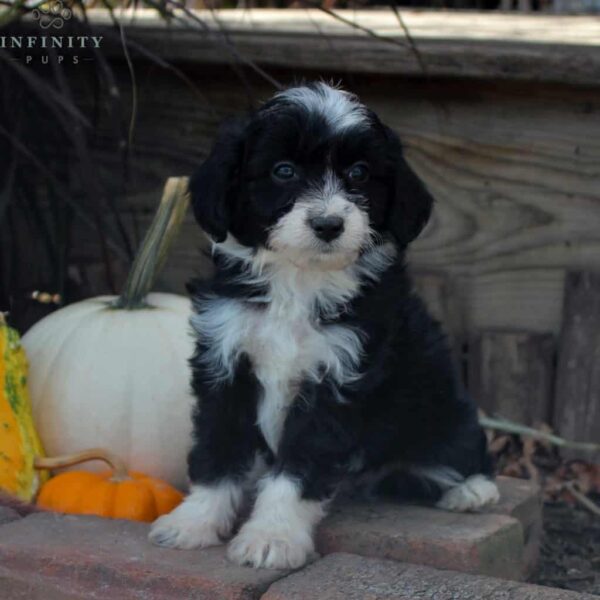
point(342, 19)
point(223, 40)
point(409, 37)
point(81, 213)
point(582, 498)
point(134, 90)
point(155, 58)
point(511, 427)
point(47, 94)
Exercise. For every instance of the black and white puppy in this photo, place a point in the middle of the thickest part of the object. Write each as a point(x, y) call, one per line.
point(315, 363)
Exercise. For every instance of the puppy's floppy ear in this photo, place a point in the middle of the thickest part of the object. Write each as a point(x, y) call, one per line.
point(214, 185)
point(411, 202)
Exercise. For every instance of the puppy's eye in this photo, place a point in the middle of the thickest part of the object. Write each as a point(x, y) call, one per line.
point(284, 171)
point(358, 173)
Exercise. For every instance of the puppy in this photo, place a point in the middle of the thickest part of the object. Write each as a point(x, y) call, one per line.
point(314, 361)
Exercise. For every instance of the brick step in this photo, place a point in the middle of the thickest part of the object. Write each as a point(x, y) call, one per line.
point(90, 557)
point(105, 558)
point(352, 577)
point(502, 541)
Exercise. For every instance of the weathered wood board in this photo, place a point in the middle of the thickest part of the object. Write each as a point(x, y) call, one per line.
point(577, 410)
point(511, 375)
point(515, 171)
point(451, 43)
point(512, 158)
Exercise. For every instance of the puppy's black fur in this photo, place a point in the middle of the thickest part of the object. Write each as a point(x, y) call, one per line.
point(407, 411)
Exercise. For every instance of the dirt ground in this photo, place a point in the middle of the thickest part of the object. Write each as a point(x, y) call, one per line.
point(570, 553)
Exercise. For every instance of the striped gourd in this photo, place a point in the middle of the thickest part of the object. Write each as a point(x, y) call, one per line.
point(19, 442)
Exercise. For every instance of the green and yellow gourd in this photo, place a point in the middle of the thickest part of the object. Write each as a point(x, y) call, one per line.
point(19, 441)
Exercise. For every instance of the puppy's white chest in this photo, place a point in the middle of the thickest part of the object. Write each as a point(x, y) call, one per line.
point(283, 341)
point(282, 351)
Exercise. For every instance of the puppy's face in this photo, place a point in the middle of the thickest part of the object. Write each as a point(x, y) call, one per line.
point(313, 177)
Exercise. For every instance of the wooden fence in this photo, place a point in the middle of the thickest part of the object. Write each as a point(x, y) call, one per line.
point(500, 115)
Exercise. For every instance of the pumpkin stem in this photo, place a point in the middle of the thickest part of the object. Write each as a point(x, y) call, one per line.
point(153, 250)
point(68, 460)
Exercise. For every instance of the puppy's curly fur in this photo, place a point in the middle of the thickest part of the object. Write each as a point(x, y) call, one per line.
point(315, 362)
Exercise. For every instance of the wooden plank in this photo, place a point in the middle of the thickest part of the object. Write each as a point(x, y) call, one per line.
point(505, 46)
point(526, 299)
point(514, 170)
point(511, 374)
point(577, 413)
point(514, 173)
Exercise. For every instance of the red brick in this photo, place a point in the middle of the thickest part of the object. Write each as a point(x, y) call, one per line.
point(80, 557)
point(351, 577)
point(31, 588)
point(483, 543)
point(522, 499)
point(105, 558)
point(473, 543)
point(519, 498)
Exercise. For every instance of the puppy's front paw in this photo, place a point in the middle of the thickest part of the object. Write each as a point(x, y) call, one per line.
point(475, 492)
point(181, 529)
point(270, 549)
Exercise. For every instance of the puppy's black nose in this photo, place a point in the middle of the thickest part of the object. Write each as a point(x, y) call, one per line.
point(327, 228)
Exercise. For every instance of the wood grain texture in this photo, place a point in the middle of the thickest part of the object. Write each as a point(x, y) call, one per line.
point(577, 412)
point(471, 44)
point(514, 168)
point(516, 176)
point(511, 375)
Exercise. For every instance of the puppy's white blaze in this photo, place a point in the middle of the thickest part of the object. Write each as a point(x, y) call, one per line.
point(325, 191)
point(339, 108)
point(202, 519)
point(475, 492)
point(294, 238)
point(279, 533)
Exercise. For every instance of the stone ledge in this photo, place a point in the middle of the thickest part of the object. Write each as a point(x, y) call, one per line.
point(522, 499)
point(502, 541)
point(32, 588)
point(82, 556)
point(472, 543)
point(79, 556)
point(351, 577)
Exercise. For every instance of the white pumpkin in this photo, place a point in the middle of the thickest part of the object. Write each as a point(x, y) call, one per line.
point(113, 371)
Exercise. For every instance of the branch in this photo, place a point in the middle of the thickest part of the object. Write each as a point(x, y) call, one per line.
point(582, 498)
point(500, 424)
point(370, 32)
point(409, 37)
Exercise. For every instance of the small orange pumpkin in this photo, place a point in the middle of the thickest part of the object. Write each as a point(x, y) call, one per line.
point(115, 493)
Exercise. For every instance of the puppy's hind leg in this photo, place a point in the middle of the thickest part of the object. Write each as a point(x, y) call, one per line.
point(443, 487)
point(474, 492)
point(466, 475)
